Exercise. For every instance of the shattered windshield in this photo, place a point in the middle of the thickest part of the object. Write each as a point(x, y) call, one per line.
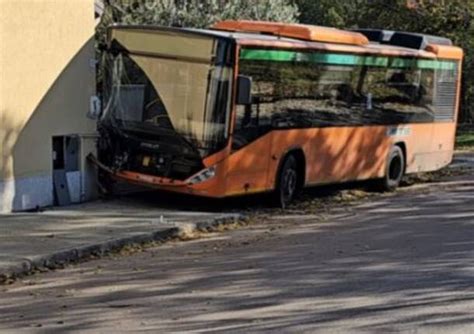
point(153, 95)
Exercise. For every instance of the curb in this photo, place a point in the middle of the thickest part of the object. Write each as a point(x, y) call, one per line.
point(58, 259)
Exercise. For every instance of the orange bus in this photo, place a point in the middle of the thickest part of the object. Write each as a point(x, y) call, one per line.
point(250, 107)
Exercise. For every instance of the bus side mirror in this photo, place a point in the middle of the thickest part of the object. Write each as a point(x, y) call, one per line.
point(244, 90)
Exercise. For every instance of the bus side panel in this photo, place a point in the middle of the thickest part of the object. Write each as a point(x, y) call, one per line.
point(336, 154)
point(428, 155)
point(247, 168)
point(444, 137)
point(417, 139)
point(346, 154)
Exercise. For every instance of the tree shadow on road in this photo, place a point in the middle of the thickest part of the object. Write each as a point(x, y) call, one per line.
point(394, 264)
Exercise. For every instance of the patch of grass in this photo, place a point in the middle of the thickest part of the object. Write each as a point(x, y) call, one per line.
point(465, 139)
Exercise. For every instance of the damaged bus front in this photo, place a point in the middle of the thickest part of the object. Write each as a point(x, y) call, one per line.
point(167, 96)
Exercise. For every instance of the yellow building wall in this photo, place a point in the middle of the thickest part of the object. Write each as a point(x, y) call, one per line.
point(47, 77)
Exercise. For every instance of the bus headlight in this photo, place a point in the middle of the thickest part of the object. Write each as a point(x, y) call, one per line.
point(202, 176)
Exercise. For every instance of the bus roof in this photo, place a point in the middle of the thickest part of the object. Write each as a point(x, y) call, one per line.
point(298, 31)
point(253, 38)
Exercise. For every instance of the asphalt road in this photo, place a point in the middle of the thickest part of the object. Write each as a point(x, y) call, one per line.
point(402, 263)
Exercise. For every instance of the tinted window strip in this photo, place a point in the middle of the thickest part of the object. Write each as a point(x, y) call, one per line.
point(345, 59)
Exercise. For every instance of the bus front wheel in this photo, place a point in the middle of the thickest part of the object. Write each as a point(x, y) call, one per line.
point(287, 182)
point(395, 169)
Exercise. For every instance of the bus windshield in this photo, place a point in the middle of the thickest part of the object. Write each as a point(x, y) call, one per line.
point(156, 96)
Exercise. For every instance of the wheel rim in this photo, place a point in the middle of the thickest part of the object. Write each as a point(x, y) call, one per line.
point(289, 185)
point(395, 171)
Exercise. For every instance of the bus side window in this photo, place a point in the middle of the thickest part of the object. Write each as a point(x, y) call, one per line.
point(397, 96)
point(253, 121)
point(311, 95)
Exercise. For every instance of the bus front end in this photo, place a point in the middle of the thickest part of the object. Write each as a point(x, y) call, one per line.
point(167, 103)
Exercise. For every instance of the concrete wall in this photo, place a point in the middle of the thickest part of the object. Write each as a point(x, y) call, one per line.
point(47, 77)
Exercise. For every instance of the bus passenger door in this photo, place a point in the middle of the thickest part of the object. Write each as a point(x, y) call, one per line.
point(248, 164)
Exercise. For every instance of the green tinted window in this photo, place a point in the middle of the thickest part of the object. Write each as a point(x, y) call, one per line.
point(314, 89)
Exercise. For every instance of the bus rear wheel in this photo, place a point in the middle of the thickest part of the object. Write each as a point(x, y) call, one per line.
point(287, 182)
point(395, 169)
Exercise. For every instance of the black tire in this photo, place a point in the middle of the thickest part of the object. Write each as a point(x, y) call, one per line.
point(287, 185)
point(394, 170)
